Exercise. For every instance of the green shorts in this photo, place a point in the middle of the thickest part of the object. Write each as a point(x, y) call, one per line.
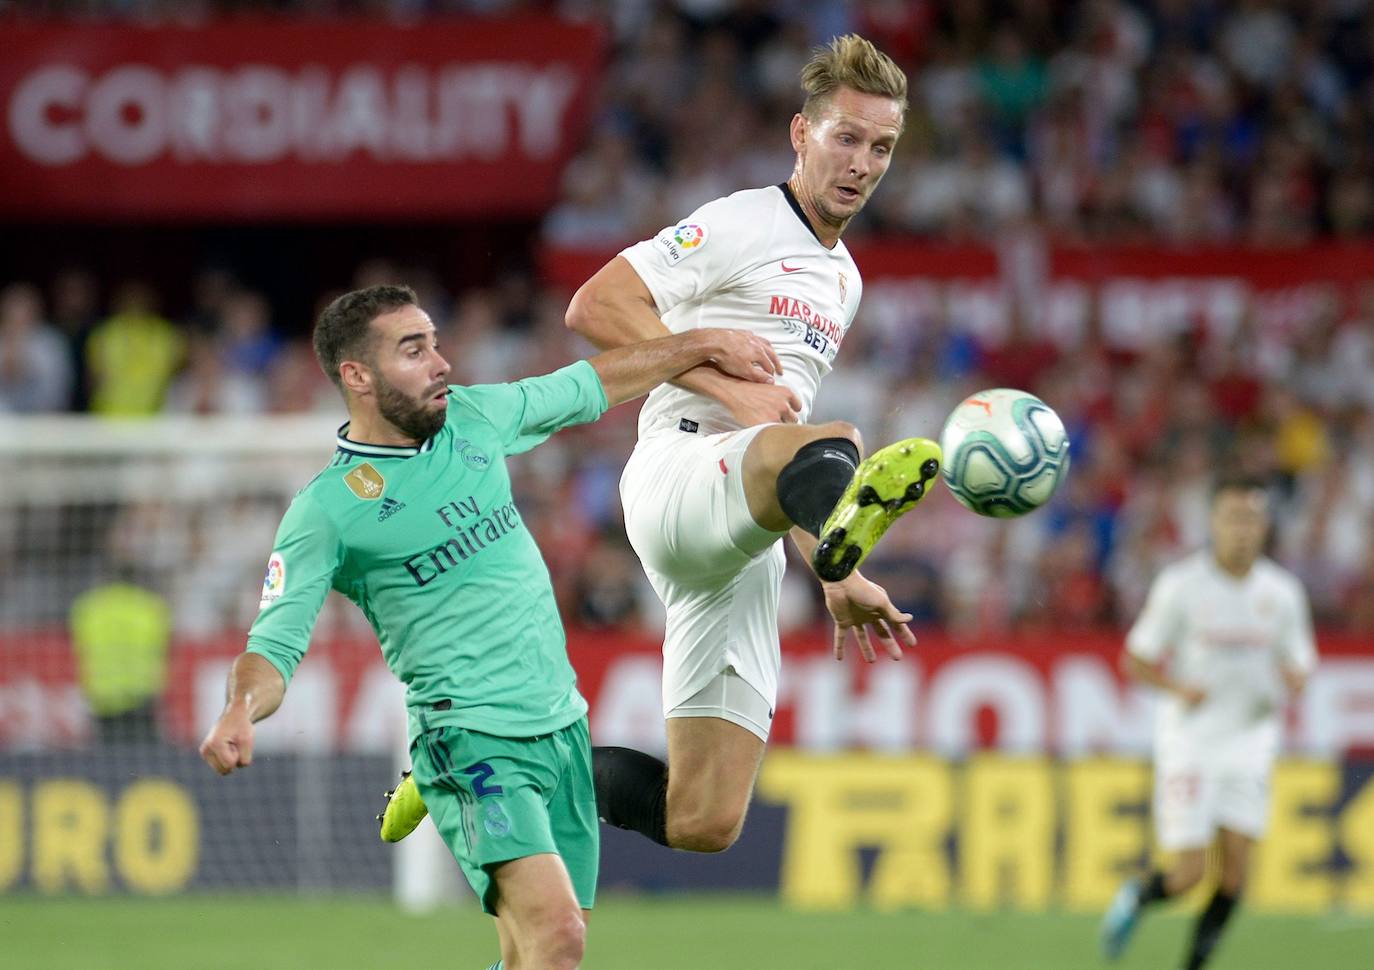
point(495, 799)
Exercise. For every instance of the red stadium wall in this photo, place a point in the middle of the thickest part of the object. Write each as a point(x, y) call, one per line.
point(1029, 695)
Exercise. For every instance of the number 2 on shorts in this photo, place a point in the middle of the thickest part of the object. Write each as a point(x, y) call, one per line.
point(479, 773)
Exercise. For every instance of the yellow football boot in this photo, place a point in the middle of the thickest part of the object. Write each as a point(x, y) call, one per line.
point(886, 484)
point(404, 810)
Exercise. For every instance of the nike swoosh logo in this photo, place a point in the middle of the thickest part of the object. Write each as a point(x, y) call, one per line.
point(791, 269)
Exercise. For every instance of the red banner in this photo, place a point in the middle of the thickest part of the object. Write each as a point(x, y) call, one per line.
point(899, 258)
point(1030, 694)
point(291, 119)
point(1133, 295)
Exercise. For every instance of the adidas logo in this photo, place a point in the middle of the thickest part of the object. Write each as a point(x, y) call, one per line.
point(389, 508)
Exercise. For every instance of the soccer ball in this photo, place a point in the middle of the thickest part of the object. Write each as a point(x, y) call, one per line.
point(1005, 452)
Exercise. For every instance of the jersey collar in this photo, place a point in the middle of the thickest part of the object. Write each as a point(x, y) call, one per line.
point(796, 207)
point(379, 451)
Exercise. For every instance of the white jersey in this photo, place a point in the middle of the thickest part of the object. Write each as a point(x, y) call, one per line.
point(752, 262)
point(1229, 637)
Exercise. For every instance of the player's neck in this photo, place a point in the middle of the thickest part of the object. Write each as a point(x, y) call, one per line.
point(828, 233)
point(373, 429)
point(1235, 568)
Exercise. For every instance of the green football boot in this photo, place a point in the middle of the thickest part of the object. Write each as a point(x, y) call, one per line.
point(886, 484)
point(404, 810)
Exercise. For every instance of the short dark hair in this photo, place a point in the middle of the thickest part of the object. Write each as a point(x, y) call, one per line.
point(1238, 482)
point(342, 330)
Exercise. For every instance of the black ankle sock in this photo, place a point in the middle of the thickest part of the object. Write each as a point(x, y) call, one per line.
point(1209, 927)
point(1155, 889)
point(632, 791)
point(815, 478)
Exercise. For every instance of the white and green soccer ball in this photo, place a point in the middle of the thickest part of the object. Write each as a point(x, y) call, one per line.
point(1005, 452)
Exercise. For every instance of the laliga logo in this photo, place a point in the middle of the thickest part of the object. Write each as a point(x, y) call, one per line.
point(689, 236)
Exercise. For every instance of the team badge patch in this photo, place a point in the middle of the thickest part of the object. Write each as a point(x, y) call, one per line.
point(495, 820)
point(365, 482)
point(472, 457)
point(679, 242)
point(274, 582)
point(844, 288)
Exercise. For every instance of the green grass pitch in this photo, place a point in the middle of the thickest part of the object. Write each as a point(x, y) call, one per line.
point(692, 932)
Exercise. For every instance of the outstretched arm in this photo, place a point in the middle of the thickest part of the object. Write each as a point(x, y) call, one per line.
point(629, 371)
point(615, 309)
point(255, 689)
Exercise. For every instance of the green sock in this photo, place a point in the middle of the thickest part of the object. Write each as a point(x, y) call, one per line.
point(498, 965)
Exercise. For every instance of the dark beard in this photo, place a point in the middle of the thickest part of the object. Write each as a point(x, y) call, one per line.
point(411, 419)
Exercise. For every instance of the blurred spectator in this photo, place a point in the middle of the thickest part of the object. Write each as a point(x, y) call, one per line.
point(120, 635)
point(296, 384)
point(210, 293)
point(1012, 83)
point(75, 313)
point(207, 385)
point(132, 356)
point(247, 342)
point(1300, 438)
point(607, 584)
point(607, 195)
point(35, 365)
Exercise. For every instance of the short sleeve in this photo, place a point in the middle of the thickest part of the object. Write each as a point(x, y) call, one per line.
point(526, 412)
point(1298, 647)
point(693, 257)
point(305, 558)
point(1160, 623)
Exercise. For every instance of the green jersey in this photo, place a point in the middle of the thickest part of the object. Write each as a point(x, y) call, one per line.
point(429, 544)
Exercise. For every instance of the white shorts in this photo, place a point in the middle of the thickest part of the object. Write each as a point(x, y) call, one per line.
point(1192, 802)
point(728, 697)
point(716, 570)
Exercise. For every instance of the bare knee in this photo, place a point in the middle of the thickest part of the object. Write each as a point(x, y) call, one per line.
point(1232, 879)
point(1186, 873)
point(558, 944)
point(842, 429)
point(705, 831)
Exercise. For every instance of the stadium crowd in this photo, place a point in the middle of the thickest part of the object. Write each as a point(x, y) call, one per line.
point(1149, 429)
point(1168, 122)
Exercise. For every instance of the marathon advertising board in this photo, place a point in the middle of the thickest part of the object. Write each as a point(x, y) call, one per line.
point(323, 119)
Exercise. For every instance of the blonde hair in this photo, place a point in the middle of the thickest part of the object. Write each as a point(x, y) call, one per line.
point(850, 62)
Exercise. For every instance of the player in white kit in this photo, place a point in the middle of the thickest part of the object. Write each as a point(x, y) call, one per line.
point(1226, 634)
point(722, 471)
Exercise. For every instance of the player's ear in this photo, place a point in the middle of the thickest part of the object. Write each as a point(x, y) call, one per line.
point(356, 376)
point(798, 133)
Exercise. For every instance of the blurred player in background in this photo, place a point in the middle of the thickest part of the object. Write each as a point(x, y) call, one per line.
point(1225, 634)
point(413, 520)
point(723, 469)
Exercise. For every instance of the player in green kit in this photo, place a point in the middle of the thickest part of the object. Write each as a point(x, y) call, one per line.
point(413, 520)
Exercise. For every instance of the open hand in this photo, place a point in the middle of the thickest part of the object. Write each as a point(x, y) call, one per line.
point(865, 608)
